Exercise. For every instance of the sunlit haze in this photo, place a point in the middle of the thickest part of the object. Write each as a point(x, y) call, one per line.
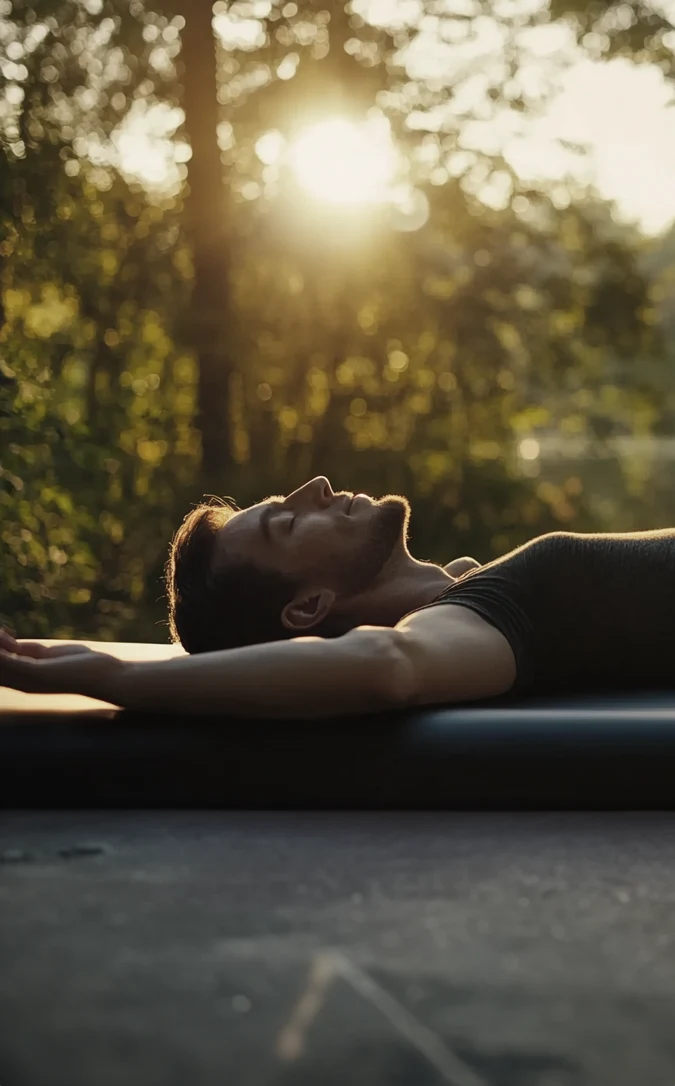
point(625, 115)
point(345, 163)
point(622, 113)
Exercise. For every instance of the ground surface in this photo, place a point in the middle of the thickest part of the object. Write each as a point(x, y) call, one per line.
point(202, 948)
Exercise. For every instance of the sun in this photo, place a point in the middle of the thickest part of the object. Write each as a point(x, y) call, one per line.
point(345, 163)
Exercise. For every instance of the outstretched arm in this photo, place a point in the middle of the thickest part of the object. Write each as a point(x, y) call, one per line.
point(362, 672)
point(437, 655)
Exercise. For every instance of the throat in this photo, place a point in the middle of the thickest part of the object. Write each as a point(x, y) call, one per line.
point(419, 585)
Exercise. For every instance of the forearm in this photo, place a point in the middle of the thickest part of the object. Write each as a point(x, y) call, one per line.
point(306, 677)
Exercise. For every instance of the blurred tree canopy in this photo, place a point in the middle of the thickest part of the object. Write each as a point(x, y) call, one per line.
point(218, 330)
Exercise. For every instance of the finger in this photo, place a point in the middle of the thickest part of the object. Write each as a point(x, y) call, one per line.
point(11, 659)
point(27, 648)
point(18, 673)
point(66, 650)
point(37, 651)
point(27, 674)
point(6, 638)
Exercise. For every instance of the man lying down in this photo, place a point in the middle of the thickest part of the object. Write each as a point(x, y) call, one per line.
point(312, 605)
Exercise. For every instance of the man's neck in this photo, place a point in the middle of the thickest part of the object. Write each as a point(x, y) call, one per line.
point(419, 583)
point(403, 588)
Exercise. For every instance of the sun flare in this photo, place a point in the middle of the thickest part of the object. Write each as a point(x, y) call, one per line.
point(345, 163)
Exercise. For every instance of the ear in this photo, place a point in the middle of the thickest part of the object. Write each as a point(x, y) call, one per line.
point(308, 609)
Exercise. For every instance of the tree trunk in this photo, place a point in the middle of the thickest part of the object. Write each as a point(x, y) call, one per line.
point(207, 226)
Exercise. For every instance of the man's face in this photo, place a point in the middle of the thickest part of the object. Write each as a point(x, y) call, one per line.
point(319, 537)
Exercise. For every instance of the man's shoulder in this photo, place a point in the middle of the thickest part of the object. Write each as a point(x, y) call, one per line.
point(545, 544)
point(459, 566)
point(456, 654)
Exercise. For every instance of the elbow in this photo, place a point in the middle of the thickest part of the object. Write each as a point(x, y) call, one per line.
point(390, 671)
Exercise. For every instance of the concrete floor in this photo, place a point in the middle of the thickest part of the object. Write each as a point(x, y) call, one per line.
point(202, 948)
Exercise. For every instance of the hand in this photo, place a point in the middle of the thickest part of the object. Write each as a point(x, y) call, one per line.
point(58, 669)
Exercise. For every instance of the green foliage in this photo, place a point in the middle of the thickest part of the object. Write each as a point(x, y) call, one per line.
point(393, 361)
point(97, 412)
point(96, 399)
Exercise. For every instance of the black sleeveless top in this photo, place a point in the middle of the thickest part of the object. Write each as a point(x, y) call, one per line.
point(581, 610)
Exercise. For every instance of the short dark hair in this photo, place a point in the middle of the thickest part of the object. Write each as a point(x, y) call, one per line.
point(221, 606)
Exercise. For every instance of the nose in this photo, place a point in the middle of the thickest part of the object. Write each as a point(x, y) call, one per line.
point(317, 492)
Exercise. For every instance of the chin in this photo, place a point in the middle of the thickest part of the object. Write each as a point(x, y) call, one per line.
point(395, 512)
point(394, 501)
point(380, 537)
